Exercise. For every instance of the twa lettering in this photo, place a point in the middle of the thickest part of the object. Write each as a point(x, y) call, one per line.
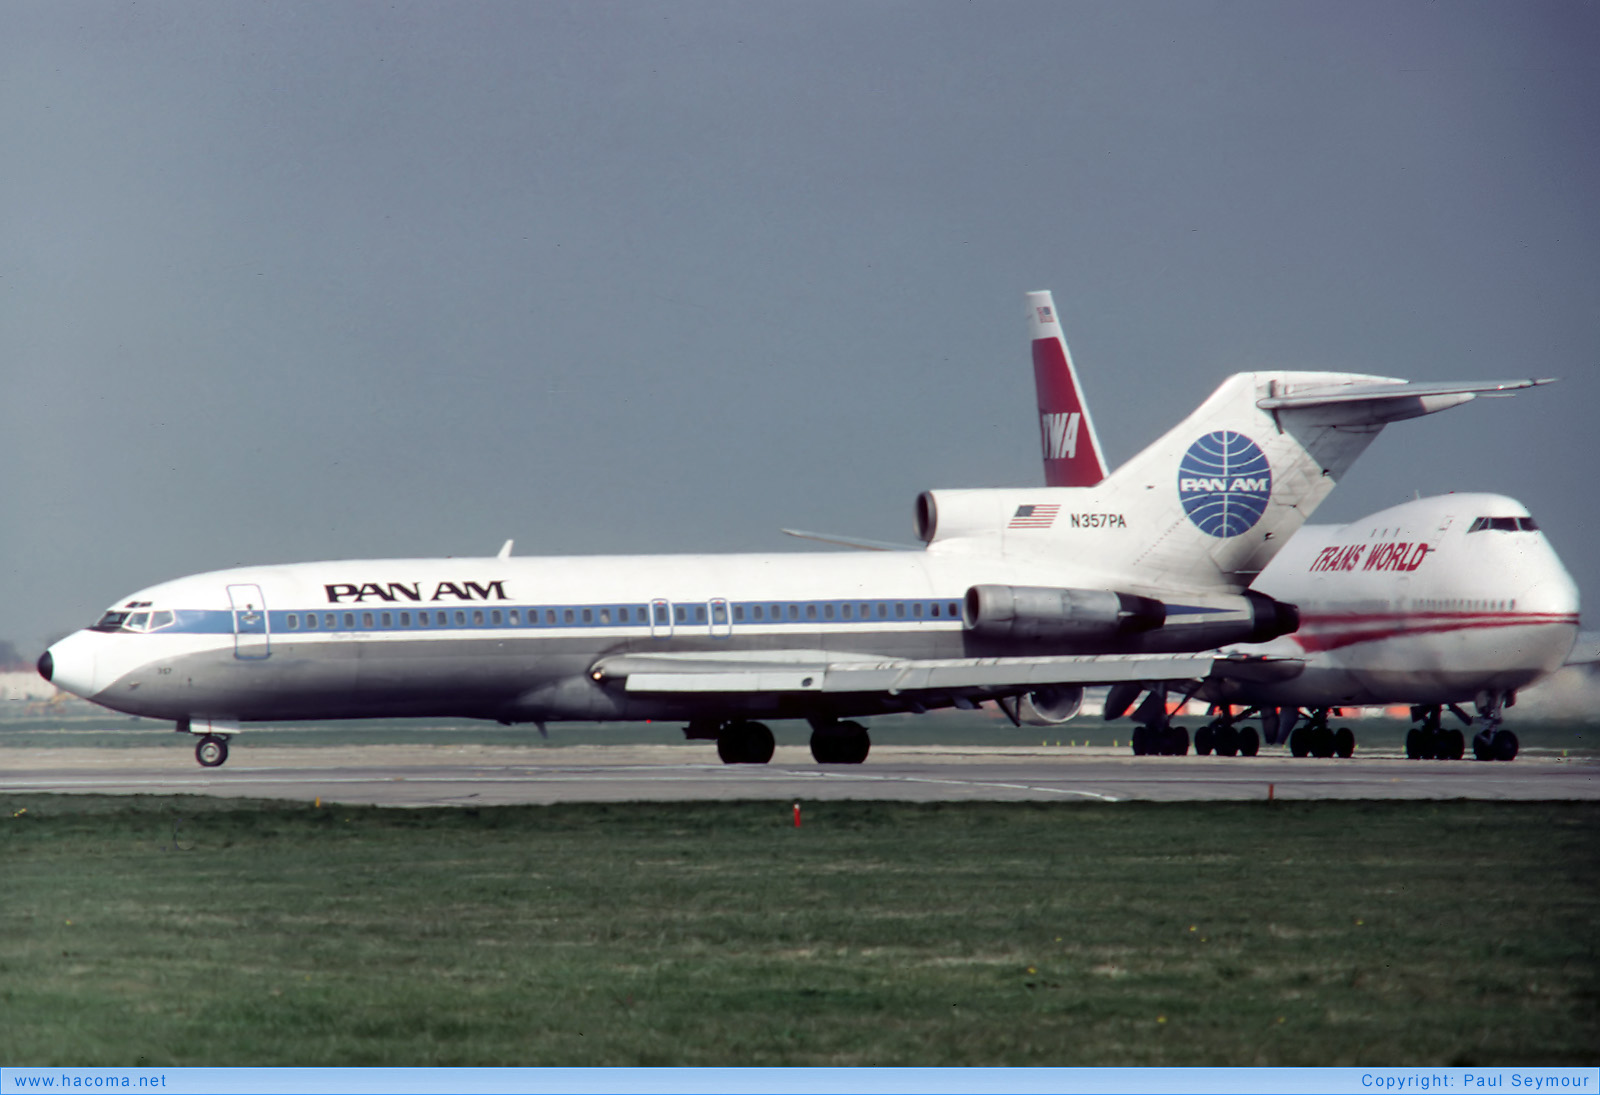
point(1338, 558)
point(1393, 556)
point(1060, 435)
point(340, 592)
point(1400, 556)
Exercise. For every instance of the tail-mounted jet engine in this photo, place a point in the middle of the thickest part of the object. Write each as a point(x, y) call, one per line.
point(1044, 613)
point(1126, 621)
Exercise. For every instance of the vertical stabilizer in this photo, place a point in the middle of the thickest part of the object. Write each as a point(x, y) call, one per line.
point(1208, 504)
point(1072, 456)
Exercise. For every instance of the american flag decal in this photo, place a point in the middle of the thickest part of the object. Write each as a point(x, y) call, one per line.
point(1045, 315)
point(1037, 516)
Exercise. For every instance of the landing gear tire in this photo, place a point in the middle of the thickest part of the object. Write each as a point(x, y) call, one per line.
point(1175, 742)
point(1226, 740)
point(1455, 745)
point(745, 743)
point(1344, 742)
point(1321, 742)
point(1298, 742)
point(1505, 745)
point(1249, 741)
point(1204, 740)
point(840, 743)
point(211, 751)
point(1141, 741)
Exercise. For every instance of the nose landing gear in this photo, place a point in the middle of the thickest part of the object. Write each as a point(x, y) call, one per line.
point(211, 751)
point(1493, 743)
point(212, 748)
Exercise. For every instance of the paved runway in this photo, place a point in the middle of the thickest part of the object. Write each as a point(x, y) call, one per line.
point(453, 775)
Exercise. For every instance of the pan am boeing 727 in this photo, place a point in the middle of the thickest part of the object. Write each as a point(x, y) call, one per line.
point(1022, 596)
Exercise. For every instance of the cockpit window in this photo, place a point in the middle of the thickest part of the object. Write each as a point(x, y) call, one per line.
point(119, 620)
point(1504, 524)
point(111, 621)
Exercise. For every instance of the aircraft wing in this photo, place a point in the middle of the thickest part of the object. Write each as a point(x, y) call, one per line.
point(1586, 650)
point(827, 671)
point(850, 541)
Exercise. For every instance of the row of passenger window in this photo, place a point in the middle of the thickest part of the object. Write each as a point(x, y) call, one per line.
point(658, 615)
point(1469, 604)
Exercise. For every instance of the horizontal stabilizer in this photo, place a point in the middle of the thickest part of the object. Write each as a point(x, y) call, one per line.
point(1426, 396)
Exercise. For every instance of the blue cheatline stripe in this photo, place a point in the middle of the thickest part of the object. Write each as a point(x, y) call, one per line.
point(716, 615)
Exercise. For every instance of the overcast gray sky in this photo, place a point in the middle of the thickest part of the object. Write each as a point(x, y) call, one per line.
point(294, 281)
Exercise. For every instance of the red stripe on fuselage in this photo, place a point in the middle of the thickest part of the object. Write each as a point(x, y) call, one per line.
point(1322, 633)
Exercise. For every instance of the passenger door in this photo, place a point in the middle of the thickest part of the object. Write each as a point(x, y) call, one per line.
point(661, 618)
point(252, 640)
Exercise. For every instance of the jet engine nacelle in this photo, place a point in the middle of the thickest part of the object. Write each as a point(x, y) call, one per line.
point(1125, 620)
point(1051, 705)
point(1045, 613)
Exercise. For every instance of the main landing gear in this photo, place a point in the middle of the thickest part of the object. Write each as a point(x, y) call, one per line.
point(744, 742)
point(1156, 735)
point(839, 742)
point(740, 741)
point(1223, 737)
point(1430, 741)
point(1317, 739)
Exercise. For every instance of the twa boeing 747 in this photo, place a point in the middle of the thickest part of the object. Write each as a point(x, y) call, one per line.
point(1434, 603)
point(1022, 596)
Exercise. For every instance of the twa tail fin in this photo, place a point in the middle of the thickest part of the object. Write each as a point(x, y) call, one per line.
point(1072, 456)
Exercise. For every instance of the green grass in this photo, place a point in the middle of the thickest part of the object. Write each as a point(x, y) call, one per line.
point(190, 931)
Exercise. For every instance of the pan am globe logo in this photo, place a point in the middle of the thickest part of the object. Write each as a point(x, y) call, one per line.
point(1224, 482)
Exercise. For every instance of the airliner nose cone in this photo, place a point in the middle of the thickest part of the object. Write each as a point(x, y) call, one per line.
point(47, 665)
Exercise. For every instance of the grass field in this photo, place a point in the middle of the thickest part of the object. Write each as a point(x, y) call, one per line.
point(186, 931)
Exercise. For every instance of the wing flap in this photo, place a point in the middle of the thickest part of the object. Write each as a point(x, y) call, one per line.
point(804, 671)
